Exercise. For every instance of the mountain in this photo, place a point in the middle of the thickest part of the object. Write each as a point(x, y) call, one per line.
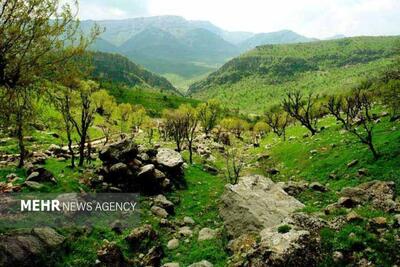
point(335, 37)
point(280, 37)
point(259, 78)
point(117, 69)
point(175, 47)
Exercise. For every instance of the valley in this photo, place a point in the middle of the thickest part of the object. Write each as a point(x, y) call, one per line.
point(236, 149)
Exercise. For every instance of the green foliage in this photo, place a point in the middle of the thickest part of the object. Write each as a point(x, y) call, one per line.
point(260, 78)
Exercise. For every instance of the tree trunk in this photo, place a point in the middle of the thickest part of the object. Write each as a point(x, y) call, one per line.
point(82, 149)
point(373, 150)
point(71, 151)
point(21, 145)
point(190, 153)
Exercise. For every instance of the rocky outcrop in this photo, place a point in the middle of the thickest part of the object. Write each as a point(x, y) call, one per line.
point(128, 167)
point(29, 248)
point(255, 203)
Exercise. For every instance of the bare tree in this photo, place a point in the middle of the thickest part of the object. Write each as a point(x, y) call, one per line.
point(234, 165)
point(175, 127)
point(278, 121)
point(302, 109)
point(354, 113)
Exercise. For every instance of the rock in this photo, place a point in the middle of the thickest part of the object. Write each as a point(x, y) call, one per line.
point(173, 244)
point(146, 170)
point(378, 222)
point(140, 238)
point(119, 169)
point(188, 220)
point(185, 231)
point(159, 212)
point(253, 204)
point(294, 248)
point(273, 171)
point(307, 222)
point(153, 257)
point(380, 193)
point(169, 158)
point(34, 185)
point(29, 247)
point(352, 163)
point(318, 187)
point(337, 256)
point(362, 172)
point(163, 202)
point(143, 157)
point(397, 220)
point(116, 226)
point(159, 175)
point(123, 151)
point(207, 234)
point(171, 264)
point(313, 152)
point(210, 169)
point(353, 217)
point(202, 263)
point(40, 174)
point(295, 188)
point(110, 254)
point(347, 202)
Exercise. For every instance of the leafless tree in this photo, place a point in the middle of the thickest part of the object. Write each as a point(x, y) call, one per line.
point(234, 164)
point(278, 121)
point(354, 113)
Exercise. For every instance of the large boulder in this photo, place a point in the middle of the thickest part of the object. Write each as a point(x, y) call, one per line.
point(380, 193)
point(169, 158)
point(123, 151)
point(255, 203)
point(30, 247)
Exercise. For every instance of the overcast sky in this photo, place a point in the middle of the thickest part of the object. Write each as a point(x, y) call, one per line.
point(313, 18)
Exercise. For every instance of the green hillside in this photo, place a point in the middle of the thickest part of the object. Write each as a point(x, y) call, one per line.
point(118, 69)
point(259, 78)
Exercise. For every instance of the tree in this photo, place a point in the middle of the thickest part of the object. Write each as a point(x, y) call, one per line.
point(208, 115)
point(175, 127)
point(391, 97)
point(302, 109)
point(138, 117)
point(278, 122)
point(259, 131)
point(83, 116)
point(191, 120)
point(354, 113)
point(149, 126)
point(37, 36)
point(105, 106)
point(124, 115)
point(235, 125)
point(234, 165)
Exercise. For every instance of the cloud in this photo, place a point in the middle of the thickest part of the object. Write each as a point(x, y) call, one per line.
point(109, 9)
point(316, 18)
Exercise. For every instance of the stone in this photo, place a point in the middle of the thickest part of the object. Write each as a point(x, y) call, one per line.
point(353, 217)
point(110, 254)
point(273, 171)
point(337, 256)
point(318, 187)
point(163, 202)
point(294, 248)
point(141, 237)
point(362, 172)
point(119, 169)
point(173, 244)
point(352, 163)
point(313, 152)
point(202, 263)
point(380, 193)
point(169, 158)
point(171, 264)
point(185, 231)
point(254, 204)
point(207, 234)
point(210, 169)
point(308, 222)
point(294, 188)
point(29, 247)
point(40, 174)
point(347, 202)
point(153, 257)
point(146, 170)
point(378, 222)
point(188, 220)
point(397, 220)
point(123, 151)
point(159, 212)
point(116, 226)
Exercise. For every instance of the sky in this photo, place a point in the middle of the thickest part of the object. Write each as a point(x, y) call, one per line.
point(313, 18)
